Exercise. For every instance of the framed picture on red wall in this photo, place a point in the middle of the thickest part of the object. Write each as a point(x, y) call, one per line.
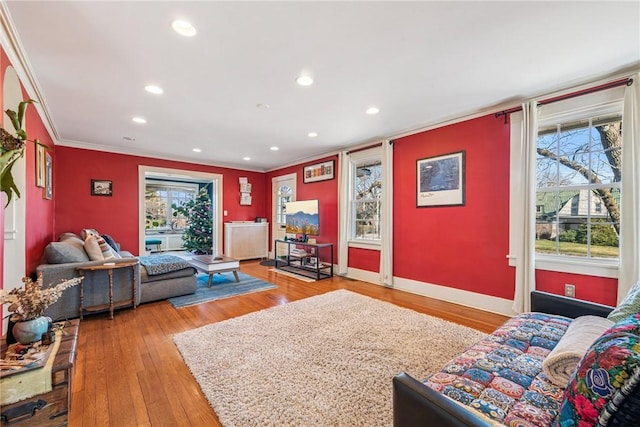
point(440, 180)
point(101, 187)
point(40, 167)
point(47, 191)
point(319, 172)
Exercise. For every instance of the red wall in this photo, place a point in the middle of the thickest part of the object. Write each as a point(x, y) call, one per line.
point(325, 191)
point(364, 259)
point(463, 247)
point(459, 247)
point(40, 211)
point(118, 215)
point(597, 289)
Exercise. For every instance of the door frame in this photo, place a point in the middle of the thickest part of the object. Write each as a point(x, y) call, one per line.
point(215, 180)
point(275, 183)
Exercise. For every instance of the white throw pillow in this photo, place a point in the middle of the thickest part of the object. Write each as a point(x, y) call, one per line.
point(92, 248)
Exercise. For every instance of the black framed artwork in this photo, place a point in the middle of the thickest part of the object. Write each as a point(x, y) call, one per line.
point(101, 187)
point(440, 180)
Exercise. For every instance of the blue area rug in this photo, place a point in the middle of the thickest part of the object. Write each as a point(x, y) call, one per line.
point(223, 285)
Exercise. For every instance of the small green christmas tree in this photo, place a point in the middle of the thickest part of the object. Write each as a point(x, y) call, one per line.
point(197, 236)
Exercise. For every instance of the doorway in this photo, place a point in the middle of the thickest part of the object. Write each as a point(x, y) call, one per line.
point(146, 173)
point(283, 190)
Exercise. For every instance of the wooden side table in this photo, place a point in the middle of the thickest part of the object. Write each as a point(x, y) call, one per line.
point(108, 267)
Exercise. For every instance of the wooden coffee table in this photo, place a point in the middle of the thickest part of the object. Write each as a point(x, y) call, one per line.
point(213, 264)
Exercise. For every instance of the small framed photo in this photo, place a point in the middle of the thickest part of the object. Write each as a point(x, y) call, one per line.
point(40, 166)
point(101, 187)
point(47, 191)
point(319, 172)
point(441, 180)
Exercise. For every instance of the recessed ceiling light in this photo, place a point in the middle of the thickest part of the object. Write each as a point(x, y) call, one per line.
point(197, 150)
point(183, 28)
point(156, 90)
point(312, 134)
point(263, 106)
point(274, 148)
point(246, 158)
point(372, 110)
point(128, 138)
point(304, 80)
point(139, 120)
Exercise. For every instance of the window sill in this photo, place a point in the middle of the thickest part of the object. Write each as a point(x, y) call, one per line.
point(365, 244)
point(591, 267)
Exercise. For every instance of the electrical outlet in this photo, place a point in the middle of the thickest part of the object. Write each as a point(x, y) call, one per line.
point(569, 290)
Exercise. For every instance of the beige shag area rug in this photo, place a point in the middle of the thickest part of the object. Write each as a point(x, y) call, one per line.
point(327, 360)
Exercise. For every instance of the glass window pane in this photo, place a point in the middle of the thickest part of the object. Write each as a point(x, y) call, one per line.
point(582, 221)
point(574, 143)
point(605, 166)
point(546, 205)
point(367, 192)
point(545, 243)
point(546, 172)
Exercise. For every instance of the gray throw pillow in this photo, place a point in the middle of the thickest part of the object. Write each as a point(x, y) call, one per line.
point(72, 240)
point(61, 252)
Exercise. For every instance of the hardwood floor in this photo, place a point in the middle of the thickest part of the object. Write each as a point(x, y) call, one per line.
point(129, 373)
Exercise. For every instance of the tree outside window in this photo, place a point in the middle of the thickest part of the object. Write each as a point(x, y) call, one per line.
point(578, 188)
point(366, 202)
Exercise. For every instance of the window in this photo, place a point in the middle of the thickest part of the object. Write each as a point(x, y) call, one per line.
point(160, 198)
point(285, 195)
point(578, 171)
point(366, 198)
point(577, 185)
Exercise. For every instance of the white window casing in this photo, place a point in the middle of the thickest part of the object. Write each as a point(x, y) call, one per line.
point(602, 103)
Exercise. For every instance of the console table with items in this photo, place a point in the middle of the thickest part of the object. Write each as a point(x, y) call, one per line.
point(108, 267)
point(48, 408)
point(314, 260)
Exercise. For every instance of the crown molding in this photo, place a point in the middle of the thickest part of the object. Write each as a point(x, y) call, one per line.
point(567, 88)
point(15, 52)
point(153, 155)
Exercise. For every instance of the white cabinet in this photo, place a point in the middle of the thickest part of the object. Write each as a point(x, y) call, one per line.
point(246, 240)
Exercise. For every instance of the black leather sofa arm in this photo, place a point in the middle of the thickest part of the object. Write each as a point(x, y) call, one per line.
point(544, 302)
point(415, 404)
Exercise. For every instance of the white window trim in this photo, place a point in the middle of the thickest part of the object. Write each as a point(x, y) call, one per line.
point(215, 178)
point(355, 158)
point(373, 245)
point(599, 103)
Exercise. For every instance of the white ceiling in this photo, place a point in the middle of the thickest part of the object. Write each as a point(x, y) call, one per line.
point(420, 62)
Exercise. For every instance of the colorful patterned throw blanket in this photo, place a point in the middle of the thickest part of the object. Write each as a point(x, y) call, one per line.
point(161, 264)
point(501, 376)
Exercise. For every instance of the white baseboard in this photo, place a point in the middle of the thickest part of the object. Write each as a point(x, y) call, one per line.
point(364, 275)
point(469, 299)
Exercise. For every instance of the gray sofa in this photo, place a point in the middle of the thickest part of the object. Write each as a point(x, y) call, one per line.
point(63, 258)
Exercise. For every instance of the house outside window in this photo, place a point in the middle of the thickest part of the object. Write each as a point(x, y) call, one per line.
point(578, 171)
point(366, 201)
point(160, 198)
